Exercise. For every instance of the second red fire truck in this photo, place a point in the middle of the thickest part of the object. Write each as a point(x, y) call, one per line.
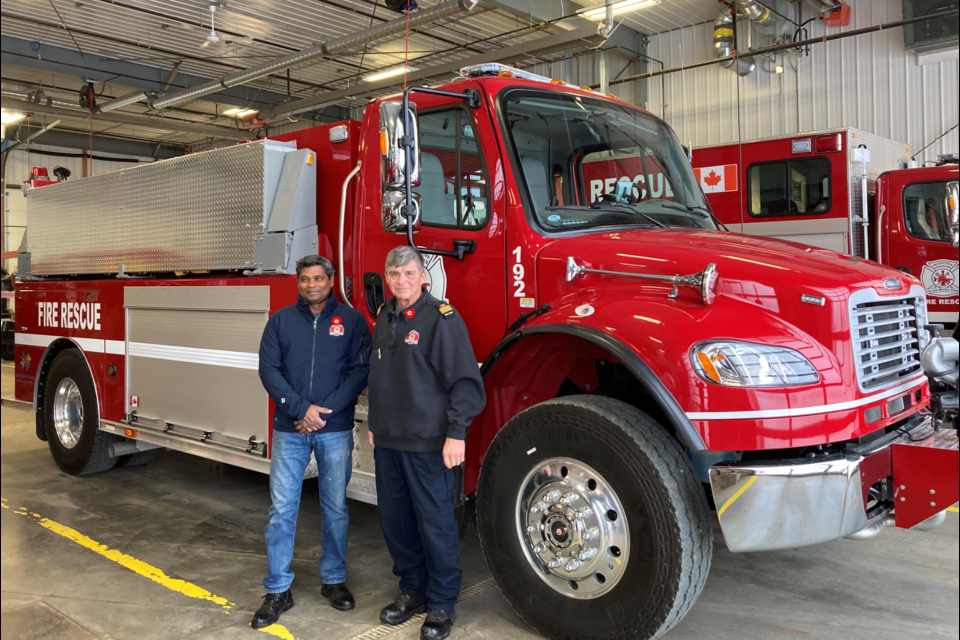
point(633, 352)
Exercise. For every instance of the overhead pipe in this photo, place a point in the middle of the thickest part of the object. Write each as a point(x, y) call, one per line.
point(39, 98)
point(952, 13)
point(724, 45)
point(308, 56)
point(127, 100)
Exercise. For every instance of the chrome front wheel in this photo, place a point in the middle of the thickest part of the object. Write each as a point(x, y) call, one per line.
point(573, 527)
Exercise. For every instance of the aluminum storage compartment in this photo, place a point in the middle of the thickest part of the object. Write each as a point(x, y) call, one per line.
point(200, 212)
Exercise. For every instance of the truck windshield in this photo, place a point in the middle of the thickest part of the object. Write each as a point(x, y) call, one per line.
point(588, 163)
point(926, 211)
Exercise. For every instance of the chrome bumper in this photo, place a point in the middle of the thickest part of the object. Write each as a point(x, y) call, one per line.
point(768, 506)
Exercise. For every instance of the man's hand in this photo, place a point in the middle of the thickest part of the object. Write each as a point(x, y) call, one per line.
point(454, 453)
point(370, 438)
point(313, 420)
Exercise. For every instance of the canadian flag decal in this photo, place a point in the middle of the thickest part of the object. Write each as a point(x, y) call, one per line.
point(717, 179)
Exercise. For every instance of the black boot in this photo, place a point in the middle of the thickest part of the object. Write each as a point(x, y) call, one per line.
point(437, 626)
point(274, 604)
point(401, 610)
point(339, 596)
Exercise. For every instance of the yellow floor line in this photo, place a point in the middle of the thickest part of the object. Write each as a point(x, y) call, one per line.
point(736, 496)
point(953, 510)
point(141, 568)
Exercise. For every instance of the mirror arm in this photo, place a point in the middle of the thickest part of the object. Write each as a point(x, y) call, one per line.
point(473, 99)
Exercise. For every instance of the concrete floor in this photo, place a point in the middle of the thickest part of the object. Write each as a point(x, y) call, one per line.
point(202, 522)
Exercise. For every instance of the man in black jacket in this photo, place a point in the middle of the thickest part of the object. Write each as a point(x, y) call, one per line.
point(314, 363)
point(425, 390)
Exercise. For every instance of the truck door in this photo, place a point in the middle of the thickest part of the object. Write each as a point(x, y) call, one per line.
point(460, 171)
point(919, 241)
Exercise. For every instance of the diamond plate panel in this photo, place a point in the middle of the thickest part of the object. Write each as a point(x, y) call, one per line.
point(195, 213)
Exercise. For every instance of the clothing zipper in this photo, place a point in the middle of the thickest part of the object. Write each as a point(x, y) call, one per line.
point(313, 357)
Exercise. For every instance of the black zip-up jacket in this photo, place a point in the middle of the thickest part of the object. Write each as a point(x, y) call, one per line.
point(322, 361)
point(425, 384)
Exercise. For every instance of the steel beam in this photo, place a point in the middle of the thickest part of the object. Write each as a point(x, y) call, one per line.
point(588, 35)
point(162, 124)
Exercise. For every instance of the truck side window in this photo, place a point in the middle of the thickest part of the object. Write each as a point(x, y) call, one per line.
point(925, 211)
point(798, 187)
point(453, 182)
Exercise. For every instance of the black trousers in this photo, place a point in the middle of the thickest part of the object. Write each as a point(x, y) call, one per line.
point(414, 493)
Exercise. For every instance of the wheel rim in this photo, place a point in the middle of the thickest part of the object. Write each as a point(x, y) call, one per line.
point(68, 413)
point(573, 528)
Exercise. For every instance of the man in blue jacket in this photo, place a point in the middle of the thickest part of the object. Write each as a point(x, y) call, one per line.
point(314, 362)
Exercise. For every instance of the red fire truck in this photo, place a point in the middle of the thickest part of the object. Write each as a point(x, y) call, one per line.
point(633, 353)
point(847, 191)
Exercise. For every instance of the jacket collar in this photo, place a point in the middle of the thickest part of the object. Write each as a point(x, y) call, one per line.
point(328, 311)
point(417, 306)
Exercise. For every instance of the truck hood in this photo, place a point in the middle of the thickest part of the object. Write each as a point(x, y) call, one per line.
point(760, 271)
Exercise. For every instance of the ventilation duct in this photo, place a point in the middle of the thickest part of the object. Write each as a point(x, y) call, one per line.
point(724, 33)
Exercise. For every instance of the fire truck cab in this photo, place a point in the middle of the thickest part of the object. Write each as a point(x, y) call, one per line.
point(848, 191)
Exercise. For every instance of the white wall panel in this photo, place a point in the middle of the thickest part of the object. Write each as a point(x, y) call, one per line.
point(869, 82)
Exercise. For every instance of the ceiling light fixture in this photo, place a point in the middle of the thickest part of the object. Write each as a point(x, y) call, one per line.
point(239, 113)
point(624, 6)
point(389, 74)
point(9, 117)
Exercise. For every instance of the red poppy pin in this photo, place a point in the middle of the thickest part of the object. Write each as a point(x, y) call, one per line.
point(410, 313)
point(413, 338)
point(337, 321)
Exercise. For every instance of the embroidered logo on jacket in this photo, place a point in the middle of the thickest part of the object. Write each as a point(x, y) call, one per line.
point(413, 338)
point(337, 330)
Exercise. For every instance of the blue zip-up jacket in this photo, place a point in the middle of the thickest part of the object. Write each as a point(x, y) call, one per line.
point(321, 361)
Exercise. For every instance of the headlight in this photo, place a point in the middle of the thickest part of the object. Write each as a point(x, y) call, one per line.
point(742, 364)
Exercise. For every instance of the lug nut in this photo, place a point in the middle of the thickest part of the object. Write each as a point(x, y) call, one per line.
point(572, 566)
point(587, 554)
point(556, 563)
point(591, 534)
point(569, 499)
point(534, 528)
point(540, 548)
point(583, 514)
point(537, 508)
point(553, 496)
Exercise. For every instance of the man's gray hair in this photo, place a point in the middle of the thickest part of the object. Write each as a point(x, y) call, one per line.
point(315, 261)
point(402, 256)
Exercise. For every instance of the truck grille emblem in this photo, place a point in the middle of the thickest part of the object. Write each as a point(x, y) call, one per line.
point(813, 300)
point(892, 284)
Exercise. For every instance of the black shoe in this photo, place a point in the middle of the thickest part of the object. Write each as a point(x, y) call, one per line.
point(401, 610)
point(437, 626)
point(339, 596)
point(274, 604)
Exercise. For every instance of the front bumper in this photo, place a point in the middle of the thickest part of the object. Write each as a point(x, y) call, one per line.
point(787, 504)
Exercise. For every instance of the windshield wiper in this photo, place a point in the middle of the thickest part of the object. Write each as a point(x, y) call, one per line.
point(621, 211)
point(687, 209)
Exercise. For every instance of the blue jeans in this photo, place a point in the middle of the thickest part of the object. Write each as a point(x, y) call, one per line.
point(291, 455)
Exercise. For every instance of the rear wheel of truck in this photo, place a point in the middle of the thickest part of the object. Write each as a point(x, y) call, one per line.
point(72, 419)
point(593, 521)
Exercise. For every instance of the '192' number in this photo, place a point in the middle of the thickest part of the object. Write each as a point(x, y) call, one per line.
point(518, 273)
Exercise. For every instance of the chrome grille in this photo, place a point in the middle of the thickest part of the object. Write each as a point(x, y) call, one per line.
point(886, 342)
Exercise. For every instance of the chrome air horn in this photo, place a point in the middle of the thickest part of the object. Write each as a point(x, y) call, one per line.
point(707, 282)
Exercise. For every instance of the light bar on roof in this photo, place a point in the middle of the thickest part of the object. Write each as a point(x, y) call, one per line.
point(619, 8)
point(495, 69)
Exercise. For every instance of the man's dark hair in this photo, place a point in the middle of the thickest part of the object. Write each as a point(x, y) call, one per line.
point(315, 261)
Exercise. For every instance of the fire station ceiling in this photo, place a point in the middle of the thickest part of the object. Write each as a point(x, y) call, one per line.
point(137, 44)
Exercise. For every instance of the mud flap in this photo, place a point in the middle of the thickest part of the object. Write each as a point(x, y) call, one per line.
point(925, 471)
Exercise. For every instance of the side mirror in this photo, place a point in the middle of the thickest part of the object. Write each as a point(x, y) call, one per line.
point(394, 220)
point(393, 152)
point(954, 202)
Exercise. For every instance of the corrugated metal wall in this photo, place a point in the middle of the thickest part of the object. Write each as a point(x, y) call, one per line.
point(869, 82)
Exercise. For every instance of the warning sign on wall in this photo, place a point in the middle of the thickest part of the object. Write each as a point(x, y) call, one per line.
point(717, 179)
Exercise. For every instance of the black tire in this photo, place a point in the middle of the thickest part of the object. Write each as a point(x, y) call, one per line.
point(670, 531)
point(138, 459)
point(90, 455)
point(7, 352)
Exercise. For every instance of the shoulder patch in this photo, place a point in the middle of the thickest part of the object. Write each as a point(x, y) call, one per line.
point(446, 311)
